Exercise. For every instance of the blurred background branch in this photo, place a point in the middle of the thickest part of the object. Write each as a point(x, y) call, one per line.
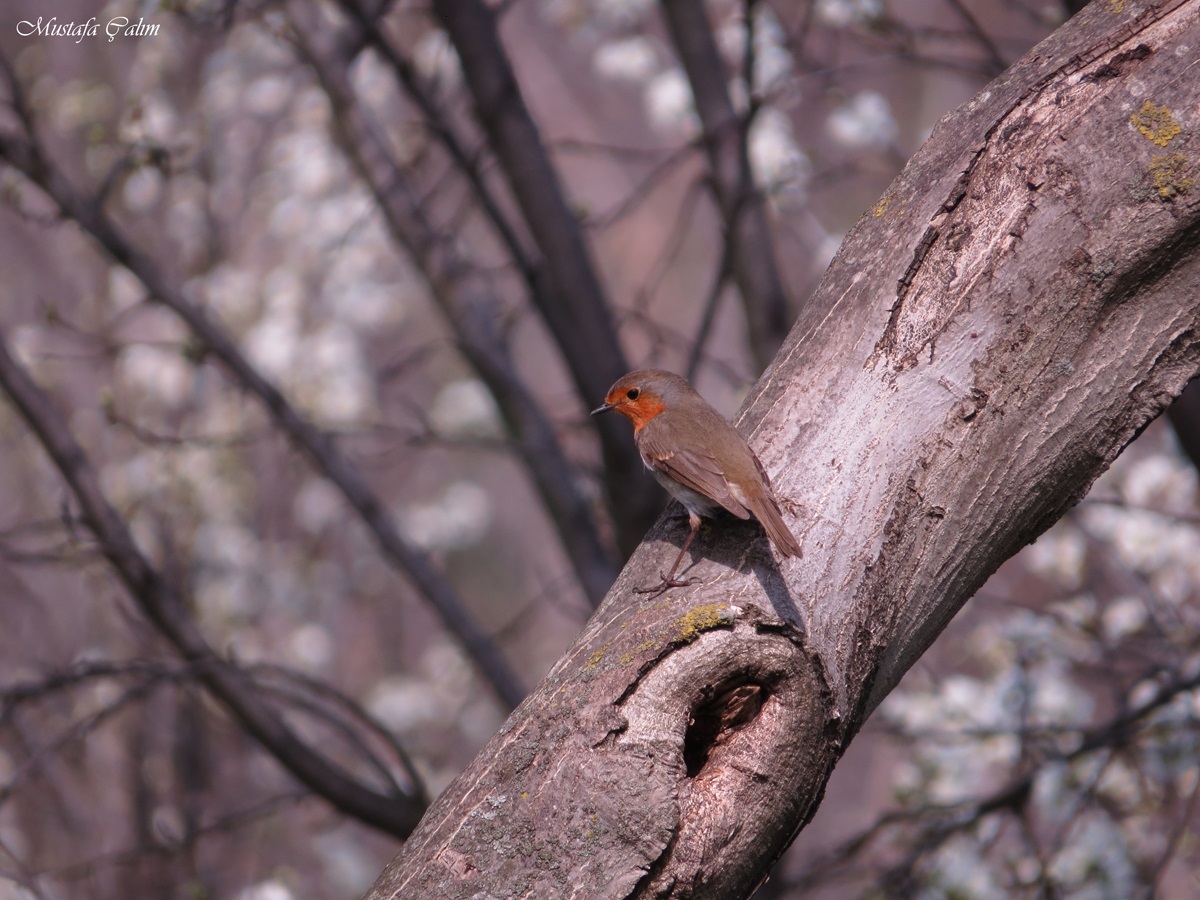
point(28, 157)
point(395, 810)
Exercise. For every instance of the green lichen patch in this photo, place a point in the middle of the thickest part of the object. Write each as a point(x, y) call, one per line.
point(1169, 175)
point(1156, 123)
point(701, 619)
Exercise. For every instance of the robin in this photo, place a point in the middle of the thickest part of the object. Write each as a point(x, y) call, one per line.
point(695, 454)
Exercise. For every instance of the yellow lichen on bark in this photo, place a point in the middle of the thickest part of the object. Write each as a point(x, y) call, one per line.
point(1170, 176)
point(701, 619)
point(1156, 123)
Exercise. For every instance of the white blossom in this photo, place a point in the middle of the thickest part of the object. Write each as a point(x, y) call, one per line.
point(464, 409)
point(1160, 480)
point(151, 120)
point(773, 62)
point(620, 13)
point(142, 189)
point(960, 872)
point(436, 59)
point(310, 647)
point(1123, 617)
point(632, 59)
point(404, 703)
point(776, 159)
point(669, 103)
point(339, 388)
point(157, 372)
point(273, 345)
point(1094, 863)
point(841, 13)
point(271, 889)
point(864, 121)
point(124, 289)
point(317, 505)
point(458, 518)
point(1059, 555)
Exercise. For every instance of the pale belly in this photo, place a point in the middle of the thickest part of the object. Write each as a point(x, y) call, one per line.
point(696, 503)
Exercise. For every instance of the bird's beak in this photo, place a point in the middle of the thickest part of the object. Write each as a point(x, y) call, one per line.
point(603, 407)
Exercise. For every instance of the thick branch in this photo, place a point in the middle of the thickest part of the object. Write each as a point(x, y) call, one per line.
point(747, 230)
point(575, 310)
point(1014, 311)
point(161, 603)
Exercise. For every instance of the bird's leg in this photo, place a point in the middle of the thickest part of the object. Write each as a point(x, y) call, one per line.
point(669, 580)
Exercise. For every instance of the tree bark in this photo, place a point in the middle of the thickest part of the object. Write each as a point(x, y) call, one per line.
point(1017, 307)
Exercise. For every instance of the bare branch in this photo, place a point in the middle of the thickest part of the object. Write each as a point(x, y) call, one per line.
point(223, 824)
point(160, 601)
point(747, 229)
point(996, 62)
point(976, 355)
point(938, 823)
point(25, 155)
point(574, 308)
point(472, 311)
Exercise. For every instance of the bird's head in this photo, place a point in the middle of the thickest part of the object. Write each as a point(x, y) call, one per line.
point(643, 394)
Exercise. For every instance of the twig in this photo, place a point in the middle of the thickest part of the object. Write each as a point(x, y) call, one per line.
point(955, 816)
point(720, 277)
point(224, 823)
point(995, 60)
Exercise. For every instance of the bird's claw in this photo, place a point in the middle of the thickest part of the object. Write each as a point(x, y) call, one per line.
point(665, 585)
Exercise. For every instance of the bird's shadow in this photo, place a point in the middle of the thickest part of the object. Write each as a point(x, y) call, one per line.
point(734, 543)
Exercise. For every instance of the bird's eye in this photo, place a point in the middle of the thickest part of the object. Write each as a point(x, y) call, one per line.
point(632, 393)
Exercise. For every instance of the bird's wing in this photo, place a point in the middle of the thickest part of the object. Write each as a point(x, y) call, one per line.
point(697, 471)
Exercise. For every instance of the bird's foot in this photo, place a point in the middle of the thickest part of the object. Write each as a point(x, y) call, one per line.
point(665, 585)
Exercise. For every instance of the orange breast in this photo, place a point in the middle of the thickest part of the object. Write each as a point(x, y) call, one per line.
point(642, 411)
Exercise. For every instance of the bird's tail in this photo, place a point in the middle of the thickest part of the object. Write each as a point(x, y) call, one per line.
point(767, 512)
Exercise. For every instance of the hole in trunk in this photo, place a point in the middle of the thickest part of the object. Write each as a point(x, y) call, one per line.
point(732, 706)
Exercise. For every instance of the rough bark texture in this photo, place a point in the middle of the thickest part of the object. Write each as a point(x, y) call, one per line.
point(1017, 307)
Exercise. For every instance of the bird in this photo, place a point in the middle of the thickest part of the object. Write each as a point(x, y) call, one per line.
point(697, 456)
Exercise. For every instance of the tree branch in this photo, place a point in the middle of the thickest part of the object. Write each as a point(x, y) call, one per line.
point(27, 156)
point(575, 309)
point(161, 603)
point(747, 230)
point(472, 312)
point(940, 822)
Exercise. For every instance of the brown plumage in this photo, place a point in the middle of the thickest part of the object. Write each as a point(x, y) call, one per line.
point(697, 456)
